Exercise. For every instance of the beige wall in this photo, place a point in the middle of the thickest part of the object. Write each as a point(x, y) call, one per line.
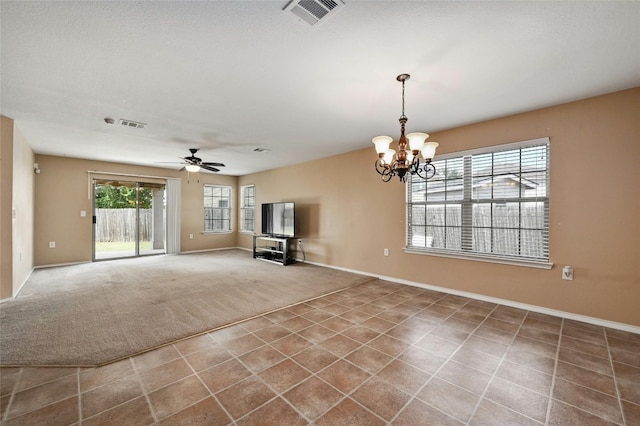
point(6, 193)
point(347, 215)
point(17, 187)
point(62, 191)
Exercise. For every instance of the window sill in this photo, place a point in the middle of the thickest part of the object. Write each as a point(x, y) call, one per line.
point(481, 258)
point(216, 232)
point(247, 232)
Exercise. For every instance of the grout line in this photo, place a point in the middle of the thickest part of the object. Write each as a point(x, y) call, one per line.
point(493, 375)
point(144, 391)
point(195, 373)
point(79, 397)
point(15, 392)
point(615, 378)
point(481, 397)
point(553, 376)
point(12, 396)
point(526, 366)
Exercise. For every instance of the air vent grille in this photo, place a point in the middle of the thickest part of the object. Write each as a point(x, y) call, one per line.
point(131, 123)
point(313, 11)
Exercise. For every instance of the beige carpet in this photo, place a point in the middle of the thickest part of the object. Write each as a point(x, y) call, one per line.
point(96, 313)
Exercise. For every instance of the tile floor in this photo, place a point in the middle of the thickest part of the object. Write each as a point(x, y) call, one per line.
point(376, 354)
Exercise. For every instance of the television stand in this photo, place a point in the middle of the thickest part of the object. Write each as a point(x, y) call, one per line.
point(272, 249)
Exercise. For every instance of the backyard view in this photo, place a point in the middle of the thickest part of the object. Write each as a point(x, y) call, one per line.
point(129, 219)
point(121, 245)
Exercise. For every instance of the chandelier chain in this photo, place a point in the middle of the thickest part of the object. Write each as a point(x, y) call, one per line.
point(402, 99)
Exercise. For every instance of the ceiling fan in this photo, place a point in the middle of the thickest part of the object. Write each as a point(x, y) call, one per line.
point(194, 164)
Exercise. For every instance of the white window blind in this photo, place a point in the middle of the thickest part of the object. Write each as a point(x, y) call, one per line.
point(492, 202)
point(217, 208)
point(247, 208)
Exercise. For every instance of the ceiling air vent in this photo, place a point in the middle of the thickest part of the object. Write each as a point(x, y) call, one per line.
point(313, 11)
point(131, 123)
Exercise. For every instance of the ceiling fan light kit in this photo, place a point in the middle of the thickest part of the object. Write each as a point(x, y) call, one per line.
point(193, 164)
point(405, 161)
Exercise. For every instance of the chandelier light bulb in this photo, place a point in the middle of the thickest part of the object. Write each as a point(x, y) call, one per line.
point(416, 141)
point(429, 150)
point(388, 156)
point(382, 143)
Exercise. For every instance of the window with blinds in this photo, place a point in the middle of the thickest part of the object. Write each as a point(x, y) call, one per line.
point(490, 203)
point(247, 208)
point(217, 208)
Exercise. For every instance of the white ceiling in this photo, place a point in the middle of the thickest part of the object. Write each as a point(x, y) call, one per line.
point(230, 76)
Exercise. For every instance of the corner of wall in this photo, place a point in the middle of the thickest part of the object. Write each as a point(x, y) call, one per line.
point(6, 212)
point(16, 208)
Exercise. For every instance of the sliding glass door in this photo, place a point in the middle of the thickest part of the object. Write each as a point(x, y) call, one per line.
point(129, 219)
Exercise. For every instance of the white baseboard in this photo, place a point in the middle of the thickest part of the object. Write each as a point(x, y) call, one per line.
point(55, 265)
point(15, 294)
point(6, 299)
point(534, 308)
point(206, 250)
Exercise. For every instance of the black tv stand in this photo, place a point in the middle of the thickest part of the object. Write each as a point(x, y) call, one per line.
point(272, 249)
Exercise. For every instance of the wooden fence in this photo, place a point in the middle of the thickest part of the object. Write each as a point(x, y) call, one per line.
point(493, 231)
point(120, 225)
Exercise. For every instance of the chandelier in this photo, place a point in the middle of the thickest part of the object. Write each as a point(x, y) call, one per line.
point(405, 161)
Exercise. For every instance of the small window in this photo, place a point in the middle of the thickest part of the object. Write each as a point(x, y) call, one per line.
point(247, 208)
point(491, 203)
point(217, 208)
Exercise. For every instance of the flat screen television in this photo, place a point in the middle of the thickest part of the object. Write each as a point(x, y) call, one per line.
point(278, 219)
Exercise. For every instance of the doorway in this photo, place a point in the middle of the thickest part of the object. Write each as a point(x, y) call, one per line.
point(129, 219)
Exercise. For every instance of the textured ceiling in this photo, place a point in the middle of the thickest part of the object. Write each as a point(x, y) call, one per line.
point(230, 76)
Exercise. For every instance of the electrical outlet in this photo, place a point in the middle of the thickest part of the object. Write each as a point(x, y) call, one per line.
point(191, 236)
point(567, 273)
point(52, 244)
point(386, 252)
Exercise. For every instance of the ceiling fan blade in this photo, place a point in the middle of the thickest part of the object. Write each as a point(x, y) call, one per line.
point(207, 163)
point(182, 169)
point(212, 169)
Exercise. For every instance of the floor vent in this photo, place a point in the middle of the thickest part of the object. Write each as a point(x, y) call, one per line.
point(313, 11)
point(131, 123)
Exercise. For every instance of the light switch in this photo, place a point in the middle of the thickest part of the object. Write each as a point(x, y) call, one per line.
point(83, 213)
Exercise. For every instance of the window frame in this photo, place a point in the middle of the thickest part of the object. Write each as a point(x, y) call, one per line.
point(229, 209)
point(244, 209)
point(467, 203)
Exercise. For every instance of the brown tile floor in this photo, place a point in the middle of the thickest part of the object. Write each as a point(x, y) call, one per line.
point(379, 353)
